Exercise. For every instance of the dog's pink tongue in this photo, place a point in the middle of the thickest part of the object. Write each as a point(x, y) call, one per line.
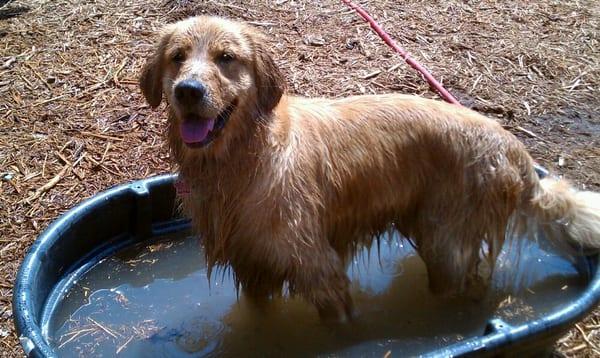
point(194, 130)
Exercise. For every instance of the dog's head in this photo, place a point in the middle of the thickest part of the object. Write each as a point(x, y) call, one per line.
point(217, 77)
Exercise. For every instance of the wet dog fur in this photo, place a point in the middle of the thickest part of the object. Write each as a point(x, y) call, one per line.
point(285, 189)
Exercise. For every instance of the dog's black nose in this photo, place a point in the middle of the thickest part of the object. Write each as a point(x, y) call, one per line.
point(189, 91)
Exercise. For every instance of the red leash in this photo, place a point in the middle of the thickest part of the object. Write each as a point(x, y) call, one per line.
point(414, 64)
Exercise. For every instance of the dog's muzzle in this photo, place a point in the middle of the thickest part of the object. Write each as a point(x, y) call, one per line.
point(197, 132)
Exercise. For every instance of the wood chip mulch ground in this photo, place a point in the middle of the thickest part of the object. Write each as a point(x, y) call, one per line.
point(73, 122)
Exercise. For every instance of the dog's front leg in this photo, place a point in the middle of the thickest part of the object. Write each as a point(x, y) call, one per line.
point(259, 285)
point(297, 255)
point(312, 270)
point(320, 278)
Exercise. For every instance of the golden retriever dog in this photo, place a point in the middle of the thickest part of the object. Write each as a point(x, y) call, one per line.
point(285, 189)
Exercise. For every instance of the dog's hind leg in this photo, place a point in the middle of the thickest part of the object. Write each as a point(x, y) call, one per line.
point(460, 254)
point(452, 260)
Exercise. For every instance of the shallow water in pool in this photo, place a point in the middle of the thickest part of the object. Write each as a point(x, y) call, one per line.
point(155, 299)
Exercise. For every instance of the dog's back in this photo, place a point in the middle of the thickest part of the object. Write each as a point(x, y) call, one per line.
point(443, 175)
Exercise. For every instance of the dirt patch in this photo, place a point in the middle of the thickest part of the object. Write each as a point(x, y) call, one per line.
point(71, 114)
point(568, 142)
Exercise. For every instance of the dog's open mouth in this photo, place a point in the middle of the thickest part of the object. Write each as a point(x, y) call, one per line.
point(197, 132)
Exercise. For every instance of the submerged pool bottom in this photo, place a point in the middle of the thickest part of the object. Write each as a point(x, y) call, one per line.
point(155, 299)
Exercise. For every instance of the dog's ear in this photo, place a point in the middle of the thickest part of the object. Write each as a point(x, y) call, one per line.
point(152, 73)
point(270, 83)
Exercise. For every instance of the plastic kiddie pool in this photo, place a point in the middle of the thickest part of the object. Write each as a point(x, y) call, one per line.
point(142, 210)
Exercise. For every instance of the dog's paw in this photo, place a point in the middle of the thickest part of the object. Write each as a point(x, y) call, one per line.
point(334, 315)
point(339, 309)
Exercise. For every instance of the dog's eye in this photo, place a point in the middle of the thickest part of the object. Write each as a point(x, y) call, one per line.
point(178, 57)
point(226, 57)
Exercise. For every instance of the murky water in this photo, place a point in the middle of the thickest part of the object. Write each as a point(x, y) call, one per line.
point(156, 300)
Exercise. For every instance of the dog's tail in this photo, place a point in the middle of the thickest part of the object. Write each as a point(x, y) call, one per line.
point(566, 214)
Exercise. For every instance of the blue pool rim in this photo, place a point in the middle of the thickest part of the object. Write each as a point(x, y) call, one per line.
point(29, 298)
